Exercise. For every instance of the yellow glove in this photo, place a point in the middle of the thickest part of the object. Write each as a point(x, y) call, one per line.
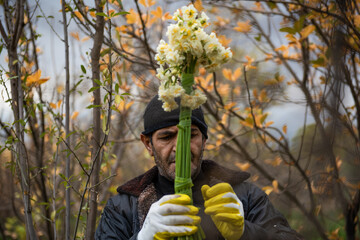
point(225, 209)
point(171, 216)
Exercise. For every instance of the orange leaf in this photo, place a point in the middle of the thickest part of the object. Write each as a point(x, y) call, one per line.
point(75, 35)
point(79, 16)
point(243, 166)
point(74, 115)
point(53, 105)
point(243, 27)
point(158, 13)
point(237, 73)
point(224, 40)
point(35, 79)
point(227, 73)
point(269, 123)
point(284, 128)
point(198, 5)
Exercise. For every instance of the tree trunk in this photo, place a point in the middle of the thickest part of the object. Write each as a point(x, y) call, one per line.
point(95, 65)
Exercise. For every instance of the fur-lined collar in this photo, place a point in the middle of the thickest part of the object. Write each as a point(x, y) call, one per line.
point(210, 168)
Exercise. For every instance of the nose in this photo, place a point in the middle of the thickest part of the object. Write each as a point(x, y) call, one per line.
point(174, 145)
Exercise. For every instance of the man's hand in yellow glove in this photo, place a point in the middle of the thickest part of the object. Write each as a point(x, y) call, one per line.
point(171, 216)
point(225, 209)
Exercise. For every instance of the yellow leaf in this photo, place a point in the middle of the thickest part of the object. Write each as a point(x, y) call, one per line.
point(74, 115)
point(59, 103)
point(284, 128)
point(132, 17)
point(267, 189)
point(198, 5)
point(306, 31)
point(75, 35)
point(79, 16)
point(243, 166)
point(117, 99)
point(275, 186)
point(243, 27)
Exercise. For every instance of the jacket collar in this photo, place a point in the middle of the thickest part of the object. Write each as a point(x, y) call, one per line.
point(216, 173)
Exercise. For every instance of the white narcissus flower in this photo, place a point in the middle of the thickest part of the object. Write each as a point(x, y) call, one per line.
point(193, 101)
point(189, 45)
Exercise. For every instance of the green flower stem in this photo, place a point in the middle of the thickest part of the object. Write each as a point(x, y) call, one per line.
point(183, 182)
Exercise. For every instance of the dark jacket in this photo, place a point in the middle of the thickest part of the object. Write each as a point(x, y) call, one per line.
point(125, 213)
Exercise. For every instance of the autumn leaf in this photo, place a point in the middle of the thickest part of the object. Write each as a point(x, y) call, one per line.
point(249, 65)
point(53, 105)
point(35, 79)
point(306, 31)
point(267, 189)
point(74, 115)
point(147, 3)
point(75, 35)
point(284, 128)
point(243, 166)
point(224, 40)
point(132, 18)
point(198, 5)
point(357, 21)
point(275, 186)
point(243, 27)
point(158, 13)
point(79, 16)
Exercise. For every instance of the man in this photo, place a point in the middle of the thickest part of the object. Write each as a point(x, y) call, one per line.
point(226, 206)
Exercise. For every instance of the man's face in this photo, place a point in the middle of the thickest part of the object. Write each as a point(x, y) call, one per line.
point(163, 149)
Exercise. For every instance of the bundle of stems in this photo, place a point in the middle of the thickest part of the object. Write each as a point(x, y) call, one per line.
point(183, 182)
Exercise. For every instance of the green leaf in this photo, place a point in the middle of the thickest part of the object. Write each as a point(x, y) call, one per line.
point(98, 82)
point(319, 62)
point(70, 134)
point(120, 13)
point(117, 88)
point(1, 47)
point(271, 5)
point(288, 30)
point(83, 69)
point(104, 52)
point(258, 38)
point(62, 176)
point(93, 89)
point(127, 94)
point(93, 106)
point(118, 76)
point(102, 14)
point(299, 24)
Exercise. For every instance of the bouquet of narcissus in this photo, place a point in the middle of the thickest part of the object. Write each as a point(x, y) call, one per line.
point(189, 48)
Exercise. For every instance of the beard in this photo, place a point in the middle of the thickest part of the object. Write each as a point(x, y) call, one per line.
point(167, 166)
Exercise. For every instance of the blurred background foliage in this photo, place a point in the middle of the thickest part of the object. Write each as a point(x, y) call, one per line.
point(285, 109)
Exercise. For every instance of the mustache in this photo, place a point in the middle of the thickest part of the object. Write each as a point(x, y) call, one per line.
point(172, 157)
